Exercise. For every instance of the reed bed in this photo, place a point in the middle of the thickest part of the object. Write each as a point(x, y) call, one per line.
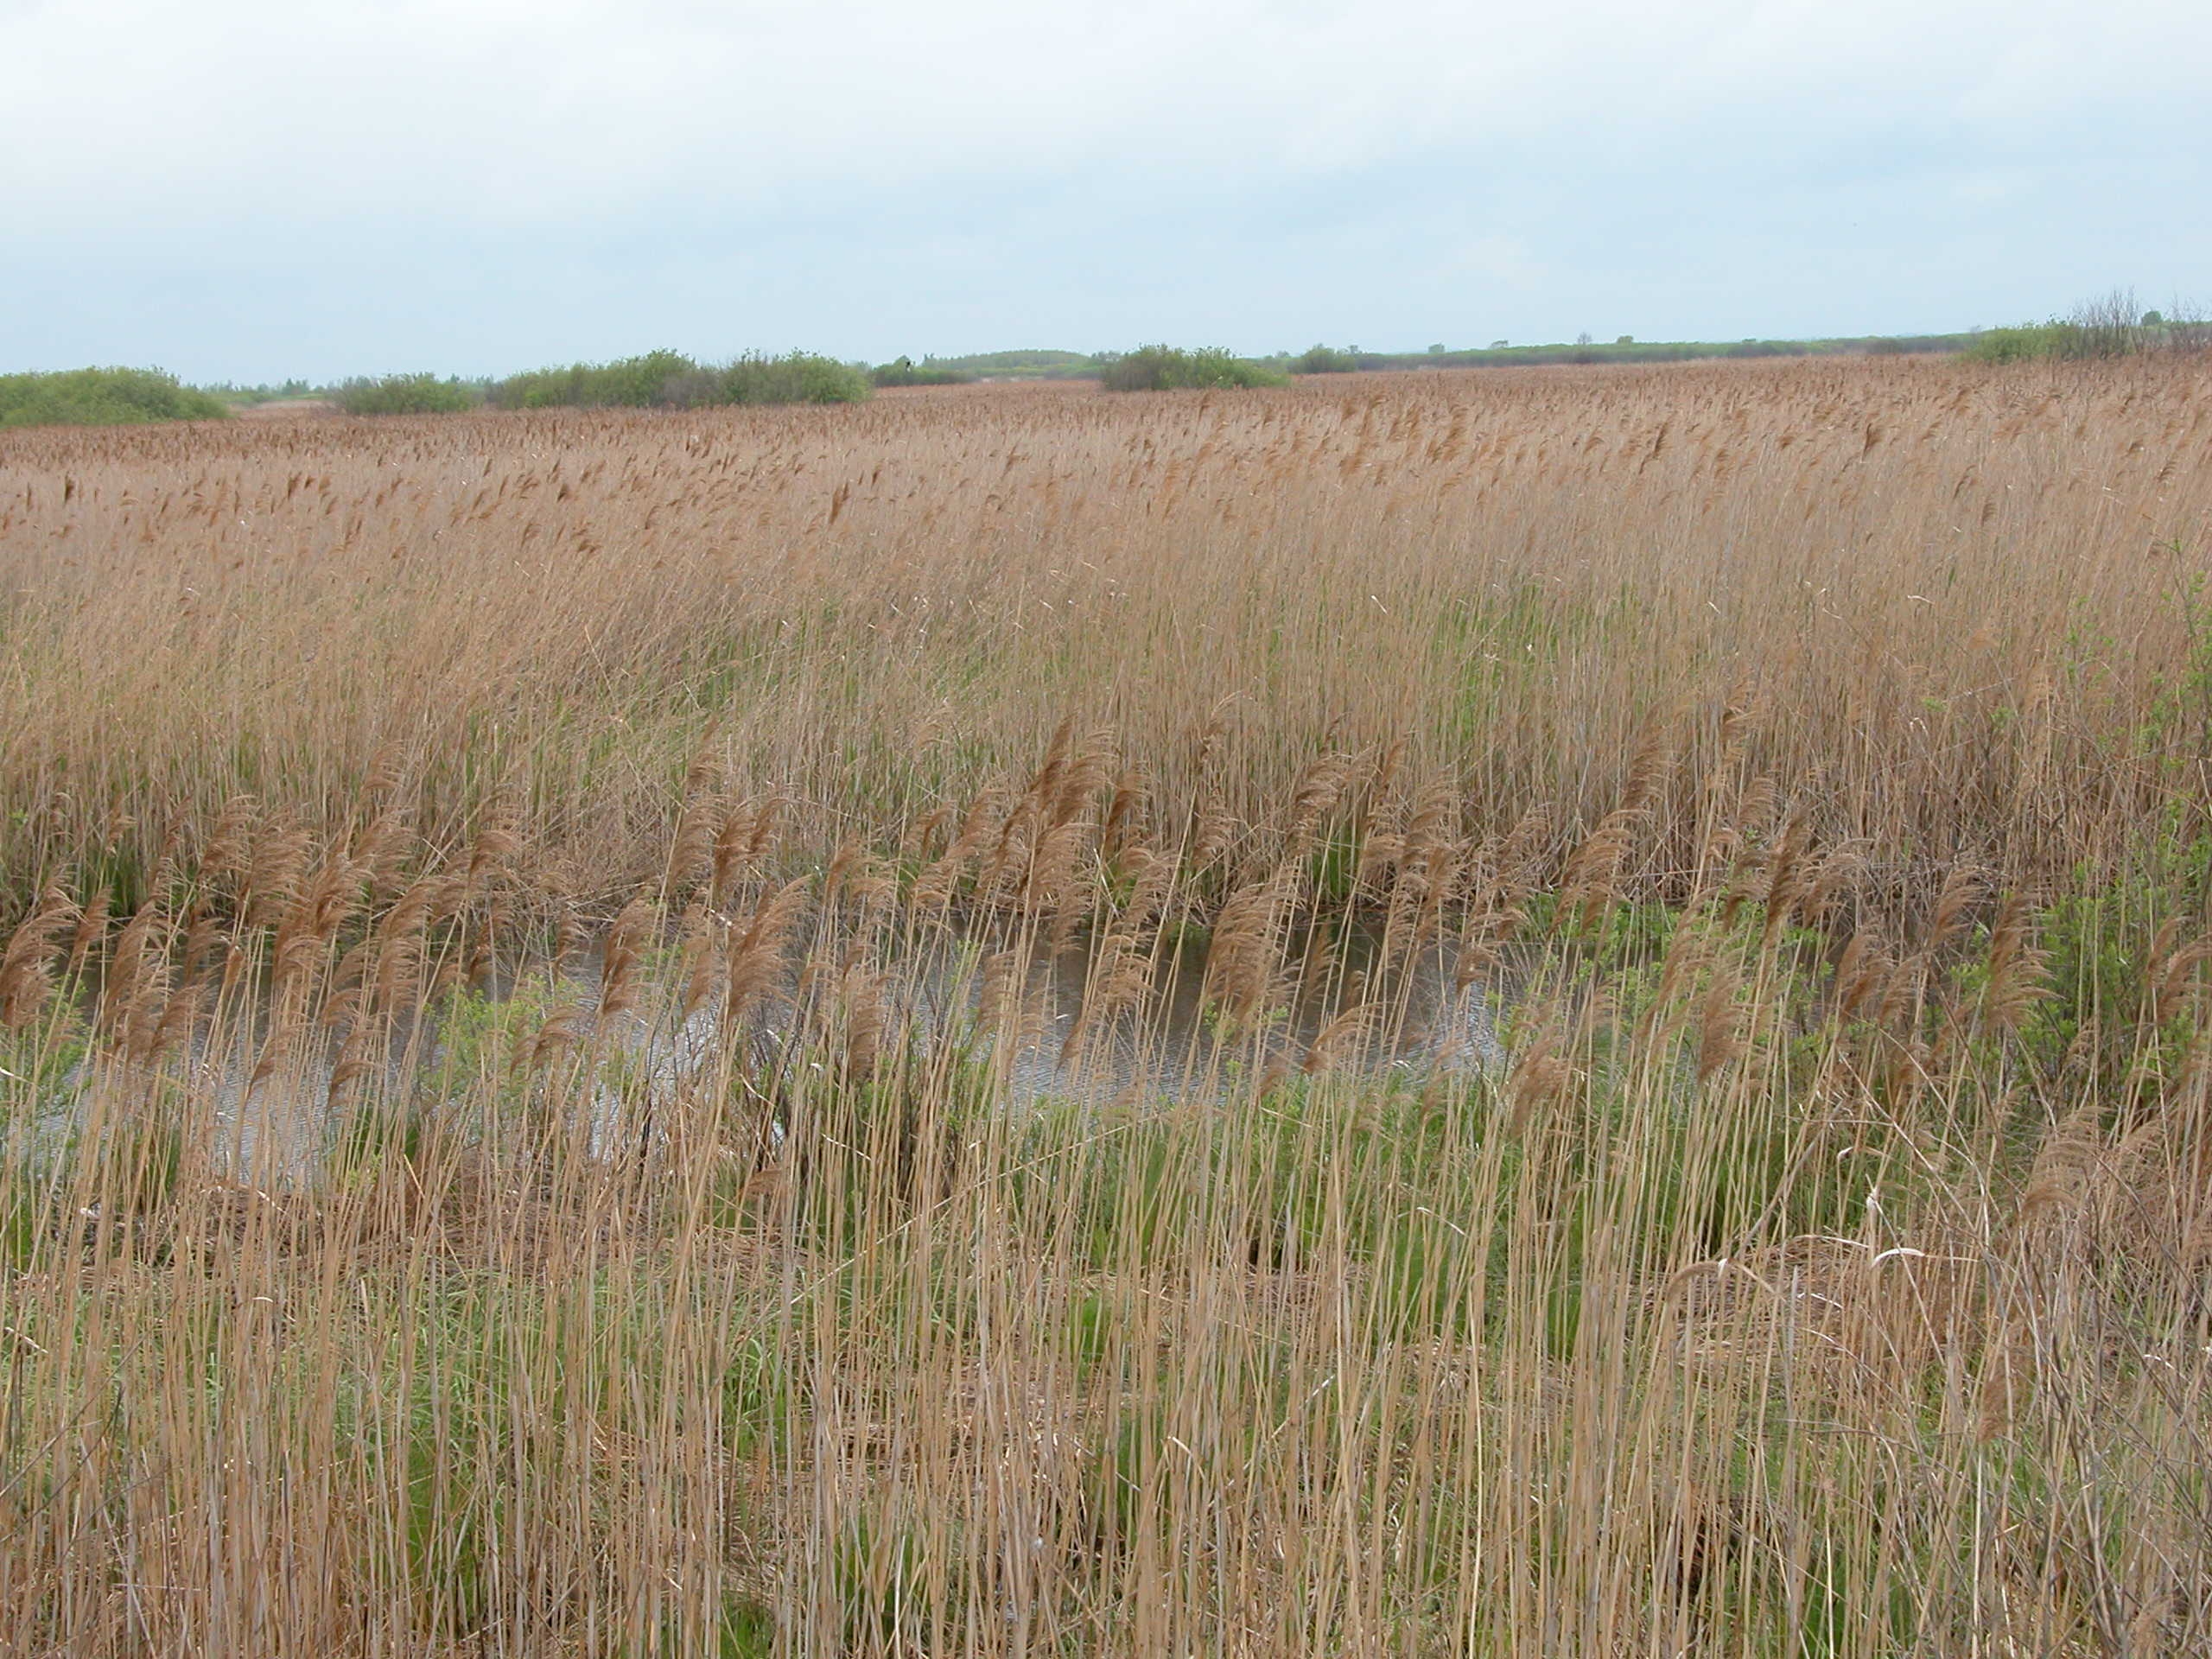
point(1955, 608)
point(478, 1176)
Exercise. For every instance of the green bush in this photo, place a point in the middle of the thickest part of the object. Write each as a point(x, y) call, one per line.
point(626, 383)
point(406, 394)
point(904, 372)
point(1165, 368)
point(2107, 327)
point(1022, 364)
point(667, 379)
point(1324, 359)
point(795, 378)
point(240, 396)
point(2029, 340)
point(102, 398)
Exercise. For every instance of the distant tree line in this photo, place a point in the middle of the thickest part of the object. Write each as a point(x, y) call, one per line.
point(1625, 348)
point(2112, 325)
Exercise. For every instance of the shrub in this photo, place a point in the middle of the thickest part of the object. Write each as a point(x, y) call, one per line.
point(641, 382)
point(406, 394)
point(668, 379)
point(1323, 360)
point(2107, 327)
point(102, 398)
point(795, 378)
point(1165, 368)
point(904, 372)
point(253, 396)
point(1025, 365)
point(2018, 344)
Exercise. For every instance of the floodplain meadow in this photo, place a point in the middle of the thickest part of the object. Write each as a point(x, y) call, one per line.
point(1554, 1011)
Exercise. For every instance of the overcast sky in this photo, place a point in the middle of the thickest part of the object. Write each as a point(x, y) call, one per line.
point(252, 189)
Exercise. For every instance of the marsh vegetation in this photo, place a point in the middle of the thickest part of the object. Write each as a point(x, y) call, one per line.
point(1669, 909)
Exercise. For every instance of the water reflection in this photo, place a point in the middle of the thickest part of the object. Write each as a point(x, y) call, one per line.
point(1080, 1018)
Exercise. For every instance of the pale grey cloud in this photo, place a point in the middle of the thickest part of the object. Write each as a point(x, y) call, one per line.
point(243, 186)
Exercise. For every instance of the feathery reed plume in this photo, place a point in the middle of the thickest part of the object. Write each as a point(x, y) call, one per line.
point(916, 840)
point(1057, 876)
point(1314, 796)
point(622, 957)
point(570, 936)
point(1962, 888)
point(85, 940)
point(1089, 772)
point(1790, 875)
point(935, 886)
point(702, 935)
point(1592, 878)
point(353, 1062)
point(1124, 825)
point(756, 962)
point(2061, 1185)
point(1043, 787)
point(558, 1035)
point(1862, 975)
point(1650, 766)
point(1689, 953)
point(2017, 979)
point(26, 967)
point(227, 854)
point(2170, 972)
point(387, 770)
point(1720, 1026)
point(1840, 874)
point(732, 841)
point(1329, 1043)
point(137, 982)
point(998, 996)
point(496, 843)
point(379, 855)
point(278, 867)
point(699, 828)
point(864, 1013)
point(1155, 874)
point(1754, 812)
point(1242, 956)
point(1120, 976)
point(1541, 1076)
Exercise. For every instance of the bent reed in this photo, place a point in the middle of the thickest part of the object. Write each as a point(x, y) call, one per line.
point(479, 1175)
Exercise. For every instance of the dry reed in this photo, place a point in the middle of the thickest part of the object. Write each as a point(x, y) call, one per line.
point(1551, 1012)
